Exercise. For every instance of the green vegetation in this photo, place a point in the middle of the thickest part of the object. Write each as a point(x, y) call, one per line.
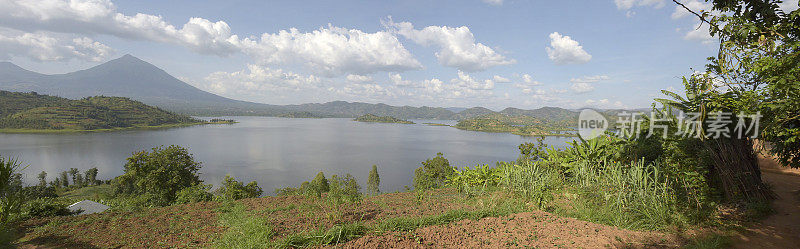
point(35, 113)
point(379, 119)
point(301, 115)
point(156, 177)
point(433, 173)
point(245, 229)
point(435, 124)
point(232, 189)
point(221, 121)
point(374, 181)
point(519, 125)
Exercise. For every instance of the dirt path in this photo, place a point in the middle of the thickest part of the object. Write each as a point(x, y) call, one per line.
point(781, 229)
point(524, 230)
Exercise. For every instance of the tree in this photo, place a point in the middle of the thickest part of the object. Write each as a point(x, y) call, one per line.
point(433, 173)
point(374, 181)
point(319, 184)
point(74, 173)
point(43, 179)
point(756, 71)
point(158, 175)
point(64, 179)
point(91, 176)
point(10, 199)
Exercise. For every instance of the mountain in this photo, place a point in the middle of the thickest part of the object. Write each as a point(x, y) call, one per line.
point(42, 112)
point(551, 114)
point(473, 112)
point(126, 76)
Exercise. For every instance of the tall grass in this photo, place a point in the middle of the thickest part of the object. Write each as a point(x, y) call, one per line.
point(245, 229)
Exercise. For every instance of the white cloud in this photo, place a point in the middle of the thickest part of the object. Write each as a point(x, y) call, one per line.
point(564, 50)
point(590, 79)
point(500, 79)
point(331, 51)
point(457, 46)
point(604, 103)
point(528, 79)
point(467, 81)
point(101, 17)
point(699, 34)
point(358, 78)
point(628, 4)
point(582, 87)
point(258, 80)
point(41, 46)
point(493, 2)
point(398, 80)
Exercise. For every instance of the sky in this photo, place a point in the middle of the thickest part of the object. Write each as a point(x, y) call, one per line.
point(443, 53)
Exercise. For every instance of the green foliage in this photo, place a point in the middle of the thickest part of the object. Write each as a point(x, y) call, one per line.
point(158, 175)
point(42, 112)
point(379, 119)
point(467, 179)
point(10, 198)
point(244, 229)
point(42, 179)
point(196, 193)
point(343, 189)
point(520, 125)
point(374, 181)
point(232, 189)
point(45, 207)
point(433, 173)
point(319, 185)
point(340, 233)
point(91, 177)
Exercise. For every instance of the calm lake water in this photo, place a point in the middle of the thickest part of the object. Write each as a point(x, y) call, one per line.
point(276, 152)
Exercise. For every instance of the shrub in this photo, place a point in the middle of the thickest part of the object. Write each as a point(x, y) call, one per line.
point(158, 174)
point(46, 207)
point(232, 189)
point(196, 193)
point(433, 173)
point(10, 198)
point(344, 189)
point(34, 192)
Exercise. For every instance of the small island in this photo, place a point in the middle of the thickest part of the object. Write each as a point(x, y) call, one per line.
point(36, 113)
point(221, 121)
point(300, 115)
point(517, 124)
point(381, 119)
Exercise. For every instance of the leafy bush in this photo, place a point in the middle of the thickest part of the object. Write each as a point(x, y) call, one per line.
point(344, 189)
point(433, 173)
point(196, 193)
point(158, 175)
point(232, 189)
point(467, 179)
point(10, 184)
point(46, 207)
point(317, 186)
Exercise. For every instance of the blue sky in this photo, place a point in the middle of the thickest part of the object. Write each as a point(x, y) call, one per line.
point(526, 54)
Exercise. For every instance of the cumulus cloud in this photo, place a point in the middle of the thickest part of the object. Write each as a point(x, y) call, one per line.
point(41, 46)
point(467, 81)
point(457, 46)
point(584, 84)
point(399, 81)
point(582, 87)
point(528, 79)
point(500, 79)
point(358, 78)
point(331, 51)
point(628, 4)
point(563, 50)
point(700, 34)
point(101, 17)
point(258, 80)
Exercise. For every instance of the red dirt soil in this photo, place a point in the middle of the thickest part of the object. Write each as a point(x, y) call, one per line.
point(524, 230)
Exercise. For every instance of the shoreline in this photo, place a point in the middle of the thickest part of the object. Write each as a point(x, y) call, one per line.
point(68, 131)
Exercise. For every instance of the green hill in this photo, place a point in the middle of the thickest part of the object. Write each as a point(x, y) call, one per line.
point(31, 111)
point(379, 119)
point(520, 125)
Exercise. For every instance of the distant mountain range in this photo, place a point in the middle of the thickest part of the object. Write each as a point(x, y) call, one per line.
point(134, 78)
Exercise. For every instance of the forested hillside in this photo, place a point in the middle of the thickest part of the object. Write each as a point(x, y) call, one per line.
point(41, 112)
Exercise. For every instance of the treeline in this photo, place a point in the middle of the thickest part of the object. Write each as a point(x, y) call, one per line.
point(381, 119)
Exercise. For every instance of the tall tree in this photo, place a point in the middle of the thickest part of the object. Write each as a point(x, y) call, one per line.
point(91, 176)
point(64, 179)
point(374, 181)
point(43, 179)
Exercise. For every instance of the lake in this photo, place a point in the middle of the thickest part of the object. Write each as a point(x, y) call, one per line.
point(276, 152)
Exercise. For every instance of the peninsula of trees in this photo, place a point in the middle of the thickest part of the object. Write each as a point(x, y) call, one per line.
point(381, 119)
